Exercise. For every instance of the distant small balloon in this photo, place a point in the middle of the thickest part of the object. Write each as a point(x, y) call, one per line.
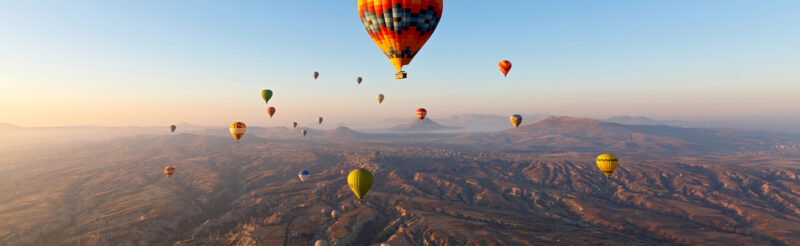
point(505, 67)
point(304, 175)
point(271, 111)
point(294, 124)
point(319, 120)
point(172, 128)
point(304, 132)
point(316, 74)
point(169, 171)
point(515, 120)
point(421, 113)
point(237, 130)
point(607, 163)
point(320, 243)
point(266, 95)
point(358, 80)
point(380, 98)
point(324, 211)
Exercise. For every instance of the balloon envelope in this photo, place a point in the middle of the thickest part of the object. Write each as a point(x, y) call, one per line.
point(607, 163)
point(320, 243)
point(169, 171)
point(316, 74)
point(266, 95)
point(237, 130)
point(319, 120)
point(172, 128)
point(400, 28)
point(271, 111)
point(304, 132)
point(294, 124)
point(360, 180)
point(380, 98)
point(304, 175)
point(358, 80)
point(515, 120)
point(505, 67)
point(421, 113)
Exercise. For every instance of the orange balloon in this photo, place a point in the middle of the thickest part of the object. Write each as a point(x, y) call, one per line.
point(271, 111)
point(400, 28)
point(505, 67)
point(421, 113)
point(169, 171)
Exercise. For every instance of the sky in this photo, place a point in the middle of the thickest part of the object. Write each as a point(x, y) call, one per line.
point(151, 63)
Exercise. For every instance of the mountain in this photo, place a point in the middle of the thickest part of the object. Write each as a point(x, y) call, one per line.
point(343, 133)
point(114, 192)
point(485, 122)
point(566, 133)
point(641, 120)
point(425, 125)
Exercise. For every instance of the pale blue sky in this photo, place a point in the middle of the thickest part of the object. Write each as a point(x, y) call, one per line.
point(204, 62)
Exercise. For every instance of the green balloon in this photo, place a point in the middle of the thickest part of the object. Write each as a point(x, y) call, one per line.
point(266, 94)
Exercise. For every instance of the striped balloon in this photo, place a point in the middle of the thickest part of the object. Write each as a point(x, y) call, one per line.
point(505, 67)
point(237, 130)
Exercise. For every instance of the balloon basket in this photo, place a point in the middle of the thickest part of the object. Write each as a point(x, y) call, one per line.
point(401, 75)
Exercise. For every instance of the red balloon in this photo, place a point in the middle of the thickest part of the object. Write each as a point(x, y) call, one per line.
point(505, 67)
point(421, 113)
point(271, 111)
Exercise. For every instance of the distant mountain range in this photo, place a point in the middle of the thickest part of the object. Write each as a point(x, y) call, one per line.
point(425, 125)
point(641, 120)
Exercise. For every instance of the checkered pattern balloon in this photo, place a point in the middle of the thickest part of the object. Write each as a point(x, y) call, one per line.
point(400, 27)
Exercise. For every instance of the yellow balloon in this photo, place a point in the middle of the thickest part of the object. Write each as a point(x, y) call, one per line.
point(607, 163)
point(237, 130)
point(379, 97)
point(360, 180)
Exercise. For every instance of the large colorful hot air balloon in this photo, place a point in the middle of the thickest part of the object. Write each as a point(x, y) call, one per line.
point(505, 67)
point(319, 120)
point(400, 28)
point(380, 98)
point(358, 80)
point(172, 128)
point(360, 180)
point(316, 74)
point(607, 163)
point(266, 95)
point(169, 171)
point(304, 132)
point(271, 111)
point(237, 130)
point(303, 175)
point(421, 113)
point(515, 120)
point(294, 124)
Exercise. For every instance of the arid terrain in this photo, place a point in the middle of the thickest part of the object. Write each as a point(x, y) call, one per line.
point(536, 185)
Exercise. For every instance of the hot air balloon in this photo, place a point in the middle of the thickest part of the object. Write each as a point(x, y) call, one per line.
point(380, 98)
point(320, 243)
point(385, 244)
point(421, 113)
point(172, 128)
point(169, 171)
point(515, 120)
point(294, 124)
point(360, 180)
point(316, 74)
point(400, 28)
point(505, 67)
point(607, 163)
point(324, 211)
point(271, 111)
point(319, 120)
point(237, 130)
point(303, 175)
point(358, 80)
point(266, 95)
point(335, 213)
point(304, 132)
